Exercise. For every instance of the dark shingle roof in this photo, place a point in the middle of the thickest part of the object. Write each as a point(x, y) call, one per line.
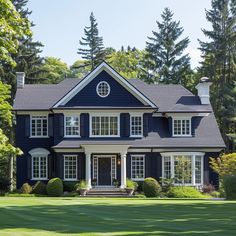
point(168, 98)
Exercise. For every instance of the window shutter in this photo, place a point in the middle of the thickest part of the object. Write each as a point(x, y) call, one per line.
point(29, 167)
point(50, 166)
point(27, 126)
point(61, 125)
point(170, 120)
point(82, 125)
point(127, 124)
point(50, 126)
point(145, 125)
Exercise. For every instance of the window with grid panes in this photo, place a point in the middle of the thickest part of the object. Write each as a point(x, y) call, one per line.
point(39, 167)
point(39, 126)
point(136, 126)
point(137, 167)
point(70, 167)
point(72, 126)
point(181, 127)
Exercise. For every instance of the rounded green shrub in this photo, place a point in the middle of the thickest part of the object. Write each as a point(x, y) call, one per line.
point(55, 187)
point(229, 184)
point(40, 188)
point(151, 187)
point(26, 188)
point(185, 192)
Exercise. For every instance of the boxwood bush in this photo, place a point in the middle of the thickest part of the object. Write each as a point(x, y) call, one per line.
point(40, 188)
point(229, 184)
point(26, 188)
point(185, 192)
point(55, 187)
point(151, 187)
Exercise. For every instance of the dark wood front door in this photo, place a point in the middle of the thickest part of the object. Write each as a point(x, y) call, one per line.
point(104, 171)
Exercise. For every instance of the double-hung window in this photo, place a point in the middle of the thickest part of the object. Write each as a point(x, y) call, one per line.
point(39, 167)
point(181, 127)
point(70, 167)
point(72, 128)
point(39, 126)
point(136, 126)
point(137, 167)
point(104, 126)
point(185, 169)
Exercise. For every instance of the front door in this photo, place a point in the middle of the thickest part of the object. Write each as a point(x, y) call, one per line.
point(104, 171)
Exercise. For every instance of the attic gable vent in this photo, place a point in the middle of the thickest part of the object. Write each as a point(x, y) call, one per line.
point(103, 89)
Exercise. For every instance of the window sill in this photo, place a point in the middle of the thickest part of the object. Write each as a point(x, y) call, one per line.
point(136, 136)
point(72, 136)
point(104, 136)
point(39, 137)
point(39, 179)
point(184, 136)
point(137, 179)
point(70, 179)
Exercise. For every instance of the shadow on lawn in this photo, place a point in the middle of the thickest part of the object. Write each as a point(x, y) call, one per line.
point(144, 219)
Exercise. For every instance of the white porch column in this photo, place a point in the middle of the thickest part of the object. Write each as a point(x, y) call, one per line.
point(88, 169)
point(123, 170)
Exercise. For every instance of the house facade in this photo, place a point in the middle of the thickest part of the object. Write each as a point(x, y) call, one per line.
point(105, 127)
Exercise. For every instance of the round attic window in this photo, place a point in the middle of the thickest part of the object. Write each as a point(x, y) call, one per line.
point(103, 89)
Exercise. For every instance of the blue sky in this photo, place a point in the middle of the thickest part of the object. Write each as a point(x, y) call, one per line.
point(60, 23)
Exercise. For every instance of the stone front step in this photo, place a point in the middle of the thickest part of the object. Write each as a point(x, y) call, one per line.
point(106, 192)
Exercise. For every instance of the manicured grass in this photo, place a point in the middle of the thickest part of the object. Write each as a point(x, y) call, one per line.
point(87, 216)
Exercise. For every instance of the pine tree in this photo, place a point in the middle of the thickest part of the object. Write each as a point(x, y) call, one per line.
point(219, 54)
point(166, 61)
point(92, 43)
point(27, 58)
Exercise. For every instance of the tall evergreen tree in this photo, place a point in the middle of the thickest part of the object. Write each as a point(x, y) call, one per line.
point(219, 54)
point(92, 49)
point(166, 61)
point(27, 57)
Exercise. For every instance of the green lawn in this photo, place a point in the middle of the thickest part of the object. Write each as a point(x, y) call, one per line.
point(84, 216)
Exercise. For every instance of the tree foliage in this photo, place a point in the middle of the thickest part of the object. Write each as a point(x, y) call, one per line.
point(92, 48)
point(166, 61)
point(224, 165)
point(54, 70)
point(219, 54)
point(12, 27)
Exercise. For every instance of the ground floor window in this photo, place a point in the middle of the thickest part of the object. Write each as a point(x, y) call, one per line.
point(137, 167)
point(184, 168)
point(70, 167)
point(39, 167)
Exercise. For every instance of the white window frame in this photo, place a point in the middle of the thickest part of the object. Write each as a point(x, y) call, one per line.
point(71, 179)
point(144, 160)
point(181, 119)
point(38, 136)
point(193, 155)
point(136, 115)
point(71, 115)
point(104, 115)
point(108, 88)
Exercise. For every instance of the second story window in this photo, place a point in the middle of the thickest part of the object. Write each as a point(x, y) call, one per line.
point(39, 126)
point(72, 126)
point(105, 126)
point(136, 126)
point(181, 127)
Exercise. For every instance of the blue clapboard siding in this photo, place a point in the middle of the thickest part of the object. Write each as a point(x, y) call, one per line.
point(118, 97)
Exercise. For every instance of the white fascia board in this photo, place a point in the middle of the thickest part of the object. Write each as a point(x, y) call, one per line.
point(115, 75)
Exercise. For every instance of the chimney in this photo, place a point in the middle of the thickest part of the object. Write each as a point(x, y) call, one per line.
point(203, 89)
point(20, 79)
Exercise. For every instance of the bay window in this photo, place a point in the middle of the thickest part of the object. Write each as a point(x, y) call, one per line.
point(185, 168)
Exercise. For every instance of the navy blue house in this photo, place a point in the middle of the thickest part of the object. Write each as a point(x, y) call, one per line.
point(104, 127)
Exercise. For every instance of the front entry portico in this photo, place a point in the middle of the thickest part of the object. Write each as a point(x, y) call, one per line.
point(105, 163)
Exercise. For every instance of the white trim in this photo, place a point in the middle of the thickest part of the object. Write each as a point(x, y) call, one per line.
point(71, 179)
point(108, 88)
point(38, 136)
point(39, 151)
point(104, 115)
point(193, 155)
point(130, 122)
point(181, 119)
point(115, 75)
point(71, 115)
point(70, 150)
point(144, 160)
